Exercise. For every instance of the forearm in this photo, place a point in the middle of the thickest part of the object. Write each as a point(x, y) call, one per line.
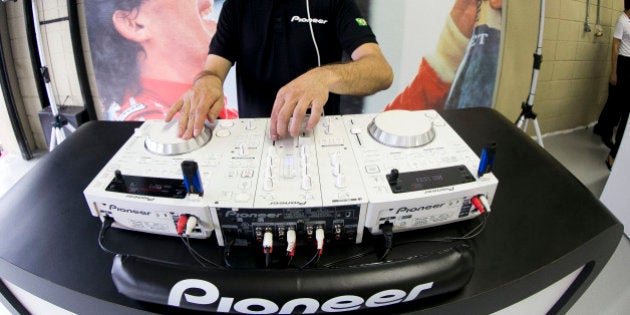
point(368, 73)
point(215, 67)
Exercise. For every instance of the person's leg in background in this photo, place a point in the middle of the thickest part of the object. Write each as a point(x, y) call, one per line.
point(608, 118)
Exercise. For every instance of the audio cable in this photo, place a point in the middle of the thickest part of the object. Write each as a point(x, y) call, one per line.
point(106, 225)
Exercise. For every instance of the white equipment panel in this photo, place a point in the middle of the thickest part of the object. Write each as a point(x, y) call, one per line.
point(406, 168)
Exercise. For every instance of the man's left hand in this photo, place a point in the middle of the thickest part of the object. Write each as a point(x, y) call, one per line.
point(292, 101)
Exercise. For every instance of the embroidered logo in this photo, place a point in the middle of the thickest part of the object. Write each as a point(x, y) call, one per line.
point(298, 19)
point(361, 22)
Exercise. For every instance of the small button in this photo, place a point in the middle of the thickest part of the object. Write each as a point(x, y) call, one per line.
point(227, 123)
point(222, 133)
point(372, 169)
point(247, 173)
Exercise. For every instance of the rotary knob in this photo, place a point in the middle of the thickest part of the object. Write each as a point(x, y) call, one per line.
point(162, 139)
point(402, 128)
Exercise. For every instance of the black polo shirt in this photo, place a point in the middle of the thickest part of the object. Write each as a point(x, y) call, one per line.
point(270, 43)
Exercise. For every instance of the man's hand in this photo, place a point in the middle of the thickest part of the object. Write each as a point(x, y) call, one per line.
point(367, 73)
point(293, 99)
point(203, 100)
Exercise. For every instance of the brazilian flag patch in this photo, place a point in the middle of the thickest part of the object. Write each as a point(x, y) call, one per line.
point(361, 22)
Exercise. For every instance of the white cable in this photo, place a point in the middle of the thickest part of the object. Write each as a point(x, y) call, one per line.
point(310, 25)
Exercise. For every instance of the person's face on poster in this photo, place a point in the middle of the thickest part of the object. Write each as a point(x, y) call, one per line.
point(184, 26)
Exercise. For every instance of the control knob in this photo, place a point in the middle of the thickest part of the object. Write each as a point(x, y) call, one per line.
point(402, 128)
point(162, 139)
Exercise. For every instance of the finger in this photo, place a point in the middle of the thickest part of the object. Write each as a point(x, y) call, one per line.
point(189, 127)
point(187, 111)
point(277, 105)
point(183, 121)
point(216, 109)
point(316, 113)
point(173, 110)
point(298, 117)
point(199, 116)
point(283, 119)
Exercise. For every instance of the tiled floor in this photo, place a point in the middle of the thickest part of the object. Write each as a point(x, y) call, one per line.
point(578, 150)
point(13, 167)
point(583, 154)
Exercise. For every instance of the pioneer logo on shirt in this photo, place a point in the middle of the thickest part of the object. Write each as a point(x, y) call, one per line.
point(298, 19)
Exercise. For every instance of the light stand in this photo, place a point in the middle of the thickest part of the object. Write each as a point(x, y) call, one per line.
point(527, 112)
point(59, 125)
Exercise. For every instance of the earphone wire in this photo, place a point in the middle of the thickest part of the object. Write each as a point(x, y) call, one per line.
point(310, 26)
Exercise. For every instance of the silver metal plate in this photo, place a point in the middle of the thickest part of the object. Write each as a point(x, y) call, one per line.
point(162, 139)
point(402, 128)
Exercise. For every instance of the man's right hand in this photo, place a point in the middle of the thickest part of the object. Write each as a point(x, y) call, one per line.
point(203, 100)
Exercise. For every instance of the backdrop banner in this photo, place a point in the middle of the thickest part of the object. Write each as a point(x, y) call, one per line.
point(145, 54)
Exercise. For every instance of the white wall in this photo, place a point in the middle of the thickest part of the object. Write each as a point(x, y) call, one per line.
point(405, 30)
point(615, 195)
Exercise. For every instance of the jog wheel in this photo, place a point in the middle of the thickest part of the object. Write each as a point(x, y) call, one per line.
point(402, 128)
point(162, 139)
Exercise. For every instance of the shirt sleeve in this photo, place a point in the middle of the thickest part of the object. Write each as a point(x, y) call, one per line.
point(225, 40)
point(618, 33)
point(352, 27)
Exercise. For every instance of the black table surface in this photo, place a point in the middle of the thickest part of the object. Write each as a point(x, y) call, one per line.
point(544, 225)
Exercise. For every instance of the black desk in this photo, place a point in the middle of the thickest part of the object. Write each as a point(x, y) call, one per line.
point(545, 224)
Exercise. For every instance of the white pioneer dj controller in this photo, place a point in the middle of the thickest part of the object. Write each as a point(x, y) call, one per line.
point(141, 187)
point(434, 171)
point(406, 168)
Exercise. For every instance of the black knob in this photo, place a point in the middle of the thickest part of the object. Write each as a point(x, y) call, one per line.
point(392, 177)
point(120, 180)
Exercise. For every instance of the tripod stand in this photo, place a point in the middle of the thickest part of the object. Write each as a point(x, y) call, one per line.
point(527, 107)
point(59, 126)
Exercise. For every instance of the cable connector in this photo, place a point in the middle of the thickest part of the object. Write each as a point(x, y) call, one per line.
point(388, 234)
point(476, 201)
point(267, 246)
point(291, 241)
point(181, 223)
point(191, 224)
point(485, 202)
point(319, 238)
point(267, 242)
